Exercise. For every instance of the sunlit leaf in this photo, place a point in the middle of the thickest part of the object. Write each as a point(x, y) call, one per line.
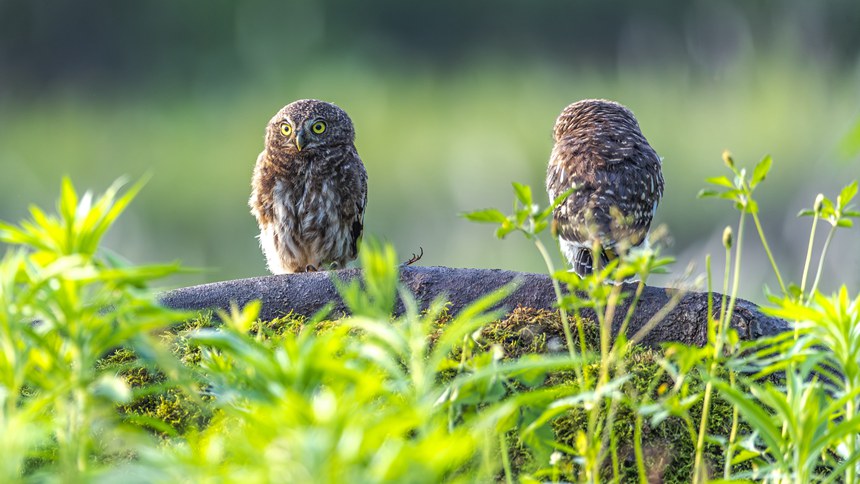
point(489, 215)
point(721, 181)
point(523, 193)
point(707, 193)
point(847, 194)
point(761, 170)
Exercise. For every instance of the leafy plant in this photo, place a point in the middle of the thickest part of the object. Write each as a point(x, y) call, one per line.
point(64, 306)
point(799, 429)
point(600, 393)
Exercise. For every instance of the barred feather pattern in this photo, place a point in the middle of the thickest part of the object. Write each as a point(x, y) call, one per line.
point(600, 151)
point(309, 202)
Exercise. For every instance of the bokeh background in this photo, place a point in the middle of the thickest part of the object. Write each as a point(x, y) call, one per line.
point(452, 101)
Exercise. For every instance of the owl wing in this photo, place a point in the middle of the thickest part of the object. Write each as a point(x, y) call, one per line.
point(582, 215)
point(354, 212)
point(615, 198)
point(262, 201)
point(638, 187)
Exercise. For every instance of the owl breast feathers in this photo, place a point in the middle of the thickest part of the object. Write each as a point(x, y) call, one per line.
point(600, 151)
point(309, 189)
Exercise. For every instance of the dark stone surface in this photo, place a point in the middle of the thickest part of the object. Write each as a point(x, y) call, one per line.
point(306, 293)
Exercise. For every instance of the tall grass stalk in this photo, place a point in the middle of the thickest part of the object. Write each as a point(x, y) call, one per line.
point(824, 250)
point(769, 253)
point(815, 216)
point(724, 322)
point(562, 311)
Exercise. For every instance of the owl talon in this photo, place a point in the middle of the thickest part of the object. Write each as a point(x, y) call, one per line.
point(310, 268)
point(415, 257)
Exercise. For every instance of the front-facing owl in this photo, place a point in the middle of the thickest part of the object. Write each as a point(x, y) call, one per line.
point(600, 152)
point(309, 189)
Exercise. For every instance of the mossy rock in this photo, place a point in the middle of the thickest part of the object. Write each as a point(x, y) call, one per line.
point(668, 447)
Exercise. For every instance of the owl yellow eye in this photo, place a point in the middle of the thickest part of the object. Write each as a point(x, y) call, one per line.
point(286, 129)
point(318, 127)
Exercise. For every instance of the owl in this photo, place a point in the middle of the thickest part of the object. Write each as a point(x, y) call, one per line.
point(600, 152)
point(309, 189)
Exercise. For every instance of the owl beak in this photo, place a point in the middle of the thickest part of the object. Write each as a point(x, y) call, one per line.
point(300, 139)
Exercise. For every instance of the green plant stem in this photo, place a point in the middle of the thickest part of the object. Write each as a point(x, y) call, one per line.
point(733, 434)
point(613, 446)
point(851, 471)
point(506, 460)
point(583, 347)
point(637, 449)
point(700, 442)
point(768, 251)
point(807, 261)
point(710, 292)
point(727, 272)
point(724, 323)
point(821, 260)
point(640, 288)
point(581, 370)
point(568, 335)
point(606, 332)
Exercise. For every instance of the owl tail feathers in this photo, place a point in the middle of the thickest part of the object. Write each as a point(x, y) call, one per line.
point(583, 263)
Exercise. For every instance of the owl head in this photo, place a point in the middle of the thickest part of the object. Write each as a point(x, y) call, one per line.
point(307, 125)
point(591, 116)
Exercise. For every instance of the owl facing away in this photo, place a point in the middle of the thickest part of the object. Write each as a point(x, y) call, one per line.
point(600, 151)
point(309, 189)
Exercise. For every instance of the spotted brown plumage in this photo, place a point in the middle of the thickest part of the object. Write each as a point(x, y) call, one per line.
point(309, 189)
point(600, 151)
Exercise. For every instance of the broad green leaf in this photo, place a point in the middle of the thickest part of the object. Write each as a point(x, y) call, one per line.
point(731, 195)
point(847, 194)
point(744, 456)
point(524, 193)
point(489, 215)
point(707, 193)
point(68, 203)
point(752, 411)
point(761, 170)
point(721, 181)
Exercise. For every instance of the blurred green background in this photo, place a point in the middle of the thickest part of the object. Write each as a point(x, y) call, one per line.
point(452, 101)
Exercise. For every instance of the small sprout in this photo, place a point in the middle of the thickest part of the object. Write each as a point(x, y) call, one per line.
point(819, 202)
point(727, 159)
point(727, 237)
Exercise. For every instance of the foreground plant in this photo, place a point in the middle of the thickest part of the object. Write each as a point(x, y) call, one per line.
point(803, 423)
point(90, 379)
point(64, 305)
point(598, 392)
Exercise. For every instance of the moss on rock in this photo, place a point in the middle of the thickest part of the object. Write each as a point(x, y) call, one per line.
point(668, 446)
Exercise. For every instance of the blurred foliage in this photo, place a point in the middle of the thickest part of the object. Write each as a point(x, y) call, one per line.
point(142, 42)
